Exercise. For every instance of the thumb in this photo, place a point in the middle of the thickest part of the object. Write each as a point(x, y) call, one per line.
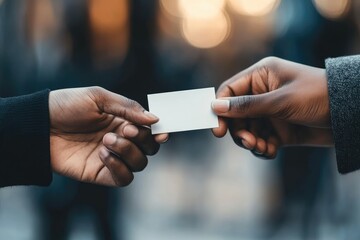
point(123, 107)
point(249, 106)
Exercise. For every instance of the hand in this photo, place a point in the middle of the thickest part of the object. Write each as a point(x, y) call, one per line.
point(275, 103)
point(98, 136)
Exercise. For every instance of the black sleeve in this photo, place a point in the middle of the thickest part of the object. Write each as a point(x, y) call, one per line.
point(25, 140)
point(344, 93)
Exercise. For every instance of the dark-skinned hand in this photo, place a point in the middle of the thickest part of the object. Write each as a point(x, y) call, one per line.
point(275, 103)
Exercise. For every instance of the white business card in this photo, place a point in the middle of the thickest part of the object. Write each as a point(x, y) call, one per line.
point(183, 110)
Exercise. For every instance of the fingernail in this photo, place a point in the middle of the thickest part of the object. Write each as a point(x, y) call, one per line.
point(260, 155)
point(110, 139)
point(165, 139)
point(220, 105)
point(130, 131)
point(257, 152)
point(150, 115)
point(238, 141)
point(104, 153)
point(246, 144)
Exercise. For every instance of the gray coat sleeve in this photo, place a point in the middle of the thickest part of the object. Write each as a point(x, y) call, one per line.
point(344, 92)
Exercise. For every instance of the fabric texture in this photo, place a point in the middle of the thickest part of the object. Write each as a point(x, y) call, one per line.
point(344, 92)
point(25, 140)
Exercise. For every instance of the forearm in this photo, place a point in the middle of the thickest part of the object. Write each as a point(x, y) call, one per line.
point(24, 140)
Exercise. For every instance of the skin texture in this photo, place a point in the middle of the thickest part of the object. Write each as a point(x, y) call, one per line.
point(99, 137)
point(275, 103)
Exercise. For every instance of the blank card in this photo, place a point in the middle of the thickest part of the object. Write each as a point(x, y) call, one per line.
point(183, 110)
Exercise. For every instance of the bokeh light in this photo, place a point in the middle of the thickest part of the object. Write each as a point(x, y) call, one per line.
point(332, 9)
point(200, 8)
point(108, 17)
point(109, 35)
point(254, 7)
point(206, 32)
point(171, 7)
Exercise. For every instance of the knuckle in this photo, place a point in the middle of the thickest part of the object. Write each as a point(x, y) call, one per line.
point(97, 94)
point(270, 64)
point(242, 104)
point(96, 90)
point(222, 87)
point(225, 89)
point(269, 61)
point(132, 104)
point(129, 107)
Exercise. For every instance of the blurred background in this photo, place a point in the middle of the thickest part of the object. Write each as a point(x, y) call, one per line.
point(197, 187)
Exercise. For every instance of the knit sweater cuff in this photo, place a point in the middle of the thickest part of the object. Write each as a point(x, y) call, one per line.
point(25, 140)
point(344, 93)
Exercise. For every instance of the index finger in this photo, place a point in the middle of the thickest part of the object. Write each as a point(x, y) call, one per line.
point(123, 107)
point(238, 85)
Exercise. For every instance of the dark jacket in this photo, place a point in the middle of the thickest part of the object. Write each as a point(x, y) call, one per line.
point(344, 93)
point(24, 140)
